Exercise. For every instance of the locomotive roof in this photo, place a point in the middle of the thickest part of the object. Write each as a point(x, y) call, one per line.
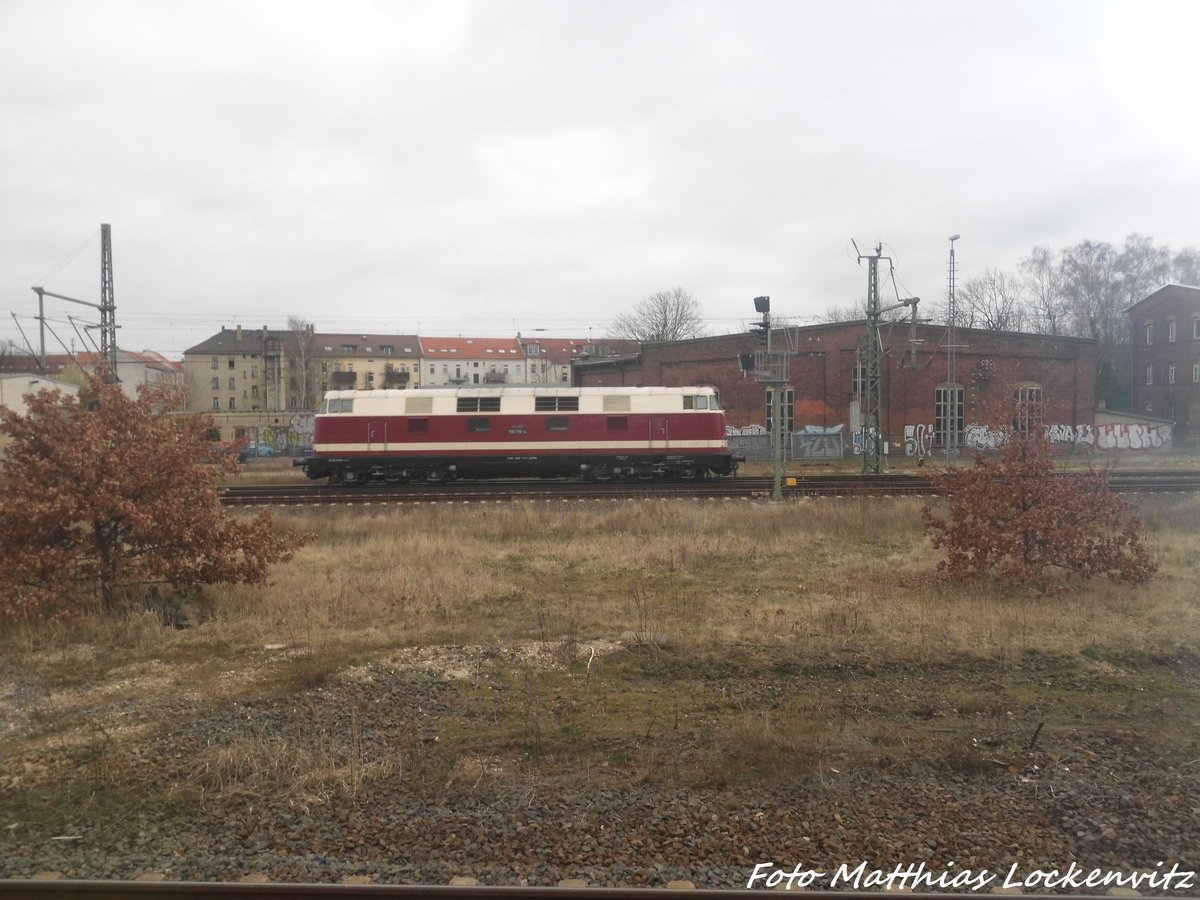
point(525, 391)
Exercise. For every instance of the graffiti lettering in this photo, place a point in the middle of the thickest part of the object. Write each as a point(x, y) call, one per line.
point(816, 446)
point(1132, 437)
point(918, 440)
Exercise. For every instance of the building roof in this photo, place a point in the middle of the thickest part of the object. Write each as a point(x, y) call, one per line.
point(368, 345)
point(471, 348)
point(1166, 289)
point(239, 340)
point(564, 351)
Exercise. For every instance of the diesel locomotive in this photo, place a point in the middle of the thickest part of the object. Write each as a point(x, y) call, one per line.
point(592, 433)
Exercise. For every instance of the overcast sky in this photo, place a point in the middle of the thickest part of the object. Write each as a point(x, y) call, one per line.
point(486, 167)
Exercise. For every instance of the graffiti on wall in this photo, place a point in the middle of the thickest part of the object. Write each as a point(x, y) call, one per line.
point(816, 446)
point(286, 439)
point(918, 439)
point(1133, 437)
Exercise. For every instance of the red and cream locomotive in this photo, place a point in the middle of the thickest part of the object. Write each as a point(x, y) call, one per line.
point(442, 434)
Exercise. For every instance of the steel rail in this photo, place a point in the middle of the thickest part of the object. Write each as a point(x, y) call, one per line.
point(161, 890)
point(731, 488)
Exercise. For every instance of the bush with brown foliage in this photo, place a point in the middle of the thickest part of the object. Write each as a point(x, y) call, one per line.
point(103, 497)
point(1020, 519)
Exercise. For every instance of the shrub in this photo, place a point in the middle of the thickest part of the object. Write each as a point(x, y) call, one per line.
point(104, 497)
point(1020, 519)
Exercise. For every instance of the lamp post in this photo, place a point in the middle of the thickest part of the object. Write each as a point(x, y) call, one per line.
point(952, 404)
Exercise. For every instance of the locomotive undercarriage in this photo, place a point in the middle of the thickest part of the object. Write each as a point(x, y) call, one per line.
point(351, 471)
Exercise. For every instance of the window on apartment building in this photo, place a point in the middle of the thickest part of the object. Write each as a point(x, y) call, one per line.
point(233, 403)
point(387, 350)
point(1029, 410)
point(1196, 329)
point(1171, 331)
point(948, 416)
point(254, 371)
point(232, 363)
point(1170, 373)
point(216, 402)
point(232, 383)
point(216, 363)
point(254, 390)
point(216, 384)
point(1150, 373)
point(1196, 373)
point(1149, 333)
point(1169, 410)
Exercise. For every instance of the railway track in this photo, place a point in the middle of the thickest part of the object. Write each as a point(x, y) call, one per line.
point(102, 890)
point(1129, 482)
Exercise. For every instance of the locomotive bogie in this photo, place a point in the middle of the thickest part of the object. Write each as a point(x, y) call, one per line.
point(437, 435)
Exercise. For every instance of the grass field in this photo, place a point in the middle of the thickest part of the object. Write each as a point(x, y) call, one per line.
point(674, 642)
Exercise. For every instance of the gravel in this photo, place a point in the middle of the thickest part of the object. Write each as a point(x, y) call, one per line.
point(403, 807)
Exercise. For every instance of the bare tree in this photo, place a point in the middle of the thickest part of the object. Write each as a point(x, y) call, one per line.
point(1047, 306)
point(303, 384)
point(1185, 267)
point(670, 315)
point(991, 301)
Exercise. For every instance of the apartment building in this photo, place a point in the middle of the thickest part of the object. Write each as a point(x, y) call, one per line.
point(366, 361)
point(1166, 359)
point(453, 361)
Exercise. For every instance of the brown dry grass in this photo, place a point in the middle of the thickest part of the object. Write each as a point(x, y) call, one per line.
point(828, 574)
point(710, 592)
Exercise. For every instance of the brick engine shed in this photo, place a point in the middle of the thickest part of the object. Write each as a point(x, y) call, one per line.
point(1055, 376)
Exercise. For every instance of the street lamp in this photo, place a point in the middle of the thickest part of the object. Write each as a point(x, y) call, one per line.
point(951, 379)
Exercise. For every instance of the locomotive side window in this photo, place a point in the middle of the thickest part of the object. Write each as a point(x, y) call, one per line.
point(418, 426)
point(337, 406)
point(479, 424)
point(618, 423)
point(556, 423)
point(478, 404)
point(556, 404)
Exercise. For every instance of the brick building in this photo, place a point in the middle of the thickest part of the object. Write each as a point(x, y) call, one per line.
point(1166, 359)
point(1055, 376)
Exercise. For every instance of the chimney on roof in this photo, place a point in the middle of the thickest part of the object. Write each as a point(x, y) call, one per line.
point(238, 336)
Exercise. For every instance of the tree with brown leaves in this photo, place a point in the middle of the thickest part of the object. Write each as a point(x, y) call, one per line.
point(1019, 518)
point(103, 497)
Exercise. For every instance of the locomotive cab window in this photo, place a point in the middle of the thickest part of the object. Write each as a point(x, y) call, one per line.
point(479, 424)
point(338, 406)
point(695, 401)
point(556, 423)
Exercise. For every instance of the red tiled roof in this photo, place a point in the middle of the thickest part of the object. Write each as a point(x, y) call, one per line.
point(473, 348)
